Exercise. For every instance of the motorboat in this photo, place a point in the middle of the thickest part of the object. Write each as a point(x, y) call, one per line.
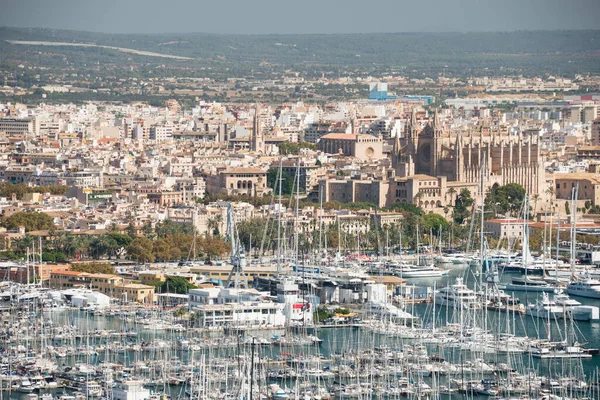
point(544, 307)
point(527, 284)
point(586, 287)
point(562, 299)
point(458, 295)
point(386, 311)
point(419, 271)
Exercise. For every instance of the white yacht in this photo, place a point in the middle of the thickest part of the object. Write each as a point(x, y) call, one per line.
point(26, 386)
point(130, 390)
point(92, 389)
point(458, 295)
point(586, 287)
point(527, 284)
point(455, 258)
point(545, 308)
point(419, 271)
point(563, 299)
point(386, 311)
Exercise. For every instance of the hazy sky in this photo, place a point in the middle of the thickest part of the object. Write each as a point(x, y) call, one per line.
point(303, 16)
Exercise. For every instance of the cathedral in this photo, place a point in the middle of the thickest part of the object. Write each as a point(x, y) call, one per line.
point(436, 152)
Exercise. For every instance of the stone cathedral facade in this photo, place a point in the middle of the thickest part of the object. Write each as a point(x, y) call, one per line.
point(434, 151)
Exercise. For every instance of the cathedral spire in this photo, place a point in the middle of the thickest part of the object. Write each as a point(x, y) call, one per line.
point(437, 124)
point(412, 125)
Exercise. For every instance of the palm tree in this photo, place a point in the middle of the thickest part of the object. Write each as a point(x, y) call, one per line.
point(418, 197)
point(214, 224)
point(535, 198)
point(451, 191)
point(552, 193)
point(82, 245)
point(20, 245)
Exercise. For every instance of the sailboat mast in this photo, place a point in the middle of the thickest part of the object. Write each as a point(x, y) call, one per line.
point(481, 245)
point(297, 222)
point(574, 196)
point(557, 240)
point(279, 218)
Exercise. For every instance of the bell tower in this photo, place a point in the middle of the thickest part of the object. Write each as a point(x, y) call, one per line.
point(257, 142)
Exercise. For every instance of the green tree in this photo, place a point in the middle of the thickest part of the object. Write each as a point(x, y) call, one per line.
point(505, 199)
point(462, 206)
point(7, 189)
point(287, 183)
point(286, 148)
point(434, 223)
point(168, 227)
point(406, 207)
point(161, 250)
point(179, 312)
point(140, 250)
point(121, 239)
point(93, 268)
point(176, 284)
point(214, 247)
point(32, 221)
point(251, 229)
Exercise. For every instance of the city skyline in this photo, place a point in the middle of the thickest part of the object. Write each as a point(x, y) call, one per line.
point(269, 17)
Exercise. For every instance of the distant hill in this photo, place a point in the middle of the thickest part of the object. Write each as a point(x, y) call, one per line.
point(524, 52)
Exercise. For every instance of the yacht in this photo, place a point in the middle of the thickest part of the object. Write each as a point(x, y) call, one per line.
point(386, 311)
point(563, 299)
point(130, 390)
point(458, 295)
point(278, 393)
point(586, 287)
point(419, 271)
point(527, 284)
point(575, 309)
point(453, 258)
point(545, 308)
point(92, 389)
point(26, 386)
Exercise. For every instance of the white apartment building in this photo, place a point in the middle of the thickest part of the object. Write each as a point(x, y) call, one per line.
point(161, 133)
point(84, 179)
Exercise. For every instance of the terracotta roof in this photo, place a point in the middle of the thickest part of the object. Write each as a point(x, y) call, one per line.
point(339, 136)
point(510, 221)
point(388, 279)
point(246, 171)
point(135, 286)
point(589, 148)
point(69, 273)
point(578, 176)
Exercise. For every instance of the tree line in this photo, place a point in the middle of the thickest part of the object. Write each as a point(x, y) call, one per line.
point(169, 241)
point(7, 189)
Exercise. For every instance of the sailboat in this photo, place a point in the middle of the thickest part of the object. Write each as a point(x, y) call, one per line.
point(585, 286)
point(526, 283)
point(422, 269)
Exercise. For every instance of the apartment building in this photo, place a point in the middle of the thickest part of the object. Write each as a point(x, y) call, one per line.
point(16, 127)
point(111, 285)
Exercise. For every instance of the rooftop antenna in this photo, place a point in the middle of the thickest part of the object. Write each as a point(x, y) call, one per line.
point(238, 255)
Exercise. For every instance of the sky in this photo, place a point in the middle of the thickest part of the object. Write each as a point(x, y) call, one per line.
point(304, 16)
